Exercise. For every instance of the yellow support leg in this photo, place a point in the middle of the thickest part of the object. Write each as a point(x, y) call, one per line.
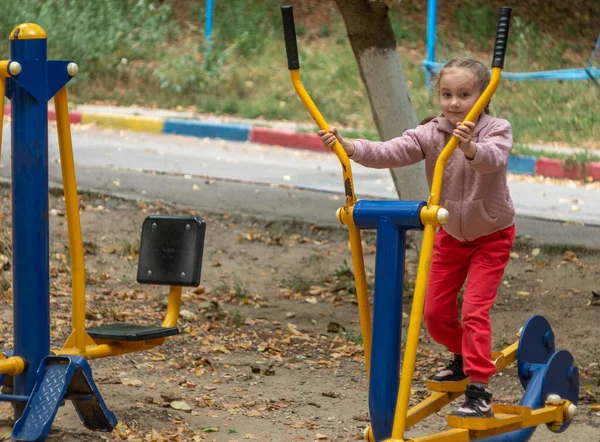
point(454, 435)
point(432, 404)
point(511, 418)
point(173, 307)
point(105, 348)
point(79, 338)
point(506, 357)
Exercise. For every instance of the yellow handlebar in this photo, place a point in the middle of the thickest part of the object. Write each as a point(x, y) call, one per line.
point(322, 124)
point(364, 310)
point(345, 213)
point(430, 223)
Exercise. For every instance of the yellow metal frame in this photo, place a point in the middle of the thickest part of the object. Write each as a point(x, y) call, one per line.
point(442, 393)
point(65, 144)
point(345, 217)
point(507, 418)
point(79, 342)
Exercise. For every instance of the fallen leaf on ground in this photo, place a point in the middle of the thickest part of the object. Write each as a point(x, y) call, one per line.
point(293, 329)
point(180, 405)
point(210, 429)
point(131, 382)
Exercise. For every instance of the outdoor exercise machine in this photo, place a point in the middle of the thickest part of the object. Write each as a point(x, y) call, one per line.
point(35, 379)
point(550, 379)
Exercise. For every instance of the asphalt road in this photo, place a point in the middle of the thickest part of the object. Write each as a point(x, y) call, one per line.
point(266, 181)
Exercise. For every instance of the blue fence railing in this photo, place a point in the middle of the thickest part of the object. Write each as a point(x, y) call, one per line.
point(579, 74)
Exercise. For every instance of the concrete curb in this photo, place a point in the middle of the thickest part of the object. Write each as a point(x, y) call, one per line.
point(517, 164)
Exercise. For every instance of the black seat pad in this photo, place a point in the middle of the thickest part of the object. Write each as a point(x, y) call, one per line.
point(131, 332)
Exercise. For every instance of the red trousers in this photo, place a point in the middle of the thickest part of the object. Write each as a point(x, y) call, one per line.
point(481, 263)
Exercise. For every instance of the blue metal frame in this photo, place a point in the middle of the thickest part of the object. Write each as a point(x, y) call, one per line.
point(59, 378)
point(209, 23)
point(36, 398)
point(29, 92)
point(543, 371)
point(31, 262)
point(391, 219)
point(431, 38)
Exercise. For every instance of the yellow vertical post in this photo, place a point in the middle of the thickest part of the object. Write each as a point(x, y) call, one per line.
point(173, 306)
point(73, 223)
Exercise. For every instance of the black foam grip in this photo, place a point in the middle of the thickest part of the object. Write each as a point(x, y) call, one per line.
point(289, 33)
point(501, 37)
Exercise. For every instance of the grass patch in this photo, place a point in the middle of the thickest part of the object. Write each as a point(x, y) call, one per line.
point(300, 283)
point(561, 249)
point(130, 248)
point(352, 336)
point(238, 288)
point(235, 319)
point(344, 276)
point(153, 53)
point(525, 245)
point(569, 158)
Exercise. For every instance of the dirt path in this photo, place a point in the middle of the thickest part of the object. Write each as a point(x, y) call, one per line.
point(271, 344)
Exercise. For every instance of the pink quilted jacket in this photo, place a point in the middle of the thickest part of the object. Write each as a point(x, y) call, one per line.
point(475, 192)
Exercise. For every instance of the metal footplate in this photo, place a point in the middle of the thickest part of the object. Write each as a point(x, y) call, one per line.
point(59, 378)
point(447, 386)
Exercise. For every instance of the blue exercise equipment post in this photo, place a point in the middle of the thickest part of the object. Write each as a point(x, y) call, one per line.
point(34, 378)
point(43, 381)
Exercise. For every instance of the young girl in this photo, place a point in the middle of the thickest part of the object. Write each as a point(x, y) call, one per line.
point(480, 232)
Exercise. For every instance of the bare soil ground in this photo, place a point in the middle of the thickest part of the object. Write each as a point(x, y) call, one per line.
point(270, 348)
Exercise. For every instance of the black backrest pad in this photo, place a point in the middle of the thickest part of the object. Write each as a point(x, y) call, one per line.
point(171, 250)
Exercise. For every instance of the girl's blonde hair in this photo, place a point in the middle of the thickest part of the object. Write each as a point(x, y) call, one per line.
point(480, 72)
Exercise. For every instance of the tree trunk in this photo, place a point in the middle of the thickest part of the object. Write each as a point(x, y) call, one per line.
point(374, 45)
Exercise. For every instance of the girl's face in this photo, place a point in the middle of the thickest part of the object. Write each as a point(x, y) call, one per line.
point(458, 94)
